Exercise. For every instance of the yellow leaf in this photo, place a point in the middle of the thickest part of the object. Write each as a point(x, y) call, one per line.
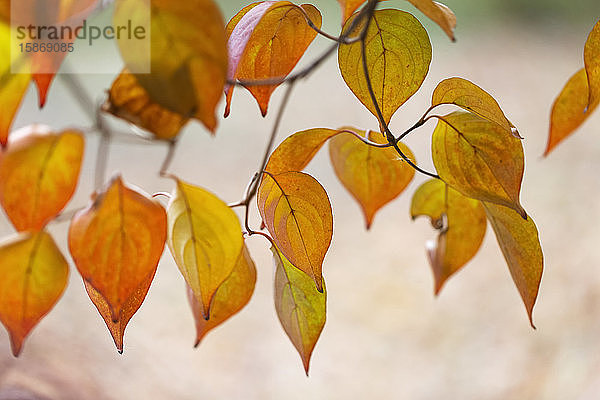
point(438, 13)
point(188, 60)
point(38, 175)
point(301, 309)
point(296, 211)
point(205, 240)
point(591, 56)
point(398, 54)
point(479, 159)
point(570, 109)
point(128, 100)
point(34, 276)
point(374, 176)
point(116, 243)
point(296, 151)
point(266, 40)
point(230, 298)
point(461, 223)
point(520, 244)
point(471, 97)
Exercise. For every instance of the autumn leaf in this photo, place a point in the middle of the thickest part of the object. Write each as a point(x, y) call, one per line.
point(300, 307)
point(116, 243)
point(34, 276)
point(467, 95)
point(297, 150)
point(591, 56)
point(266, 40)
point(438, 13)
point(296, 211)
point(130, 307)
point(38, 174)
point(570, 109)
point(520, 245)
point(188, 54)
point(233, 295)
point(461, 223)
point(479, 159)
point(204, 239)
point(398, 54)
point(128, 100)
point(349, 7)
point(374, 176)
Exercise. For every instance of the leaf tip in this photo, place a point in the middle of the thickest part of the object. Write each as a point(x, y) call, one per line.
point(16, 345)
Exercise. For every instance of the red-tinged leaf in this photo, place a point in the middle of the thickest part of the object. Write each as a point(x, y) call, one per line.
point(188, 55)
point(116, 243)
point(300, 307)
point(461, 223)
point(128, 100)
point(34, 276)
point(230, 298)
point(38, 175)
point(479, 159)
point(296, 151)
point(204, 239)
point(266, 40)
point(373, 175)
point(467, 95)
point(570, 110)
point(43, 83)
point(130, 307)
point(520, 244)
point(438, 13)
point(591, 56)
point(297, 213)
point(398, 54)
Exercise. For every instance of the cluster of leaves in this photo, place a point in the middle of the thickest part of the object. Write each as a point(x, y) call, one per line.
point(580, 96)
point(116, 242)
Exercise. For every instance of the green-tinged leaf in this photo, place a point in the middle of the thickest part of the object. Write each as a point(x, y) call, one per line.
point(373, 175)
point(300, 307)
point(479, 159)
point(591, 56)
point(230, 297)
point(467, 95)
point(438, 13)
point(570, 109)
point(461, 222)
point(296, 211)
point(204, 239)
point(398, 54)
point(34, 276)
point(520, 244)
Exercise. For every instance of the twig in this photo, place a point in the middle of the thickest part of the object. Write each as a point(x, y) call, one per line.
point(163, 172)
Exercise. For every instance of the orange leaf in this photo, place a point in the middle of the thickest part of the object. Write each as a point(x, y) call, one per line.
point(34, 276)
point(438, 13)
point(348, 8)
point(266, 41)
point(374, 176)
point(204, 239)
point(591, 56)
point(116, 243)
point(296, 151)
point(38, 175)
point(479, 159)
point(230, 297)
point(128, 100)
point(461, 223)
point(297, 213)
point(301, 309)
point(188, 54)
point(520, 244)
point(398, 53)
point(570, 109)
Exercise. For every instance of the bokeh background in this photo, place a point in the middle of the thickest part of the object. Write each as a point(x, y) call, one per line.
point(387, 336)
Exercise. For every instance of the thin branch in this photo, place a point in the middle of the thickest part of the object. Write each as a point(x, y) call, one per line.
point(365, 140)
point(418, 124)
point(163, 172)
point(343, 39)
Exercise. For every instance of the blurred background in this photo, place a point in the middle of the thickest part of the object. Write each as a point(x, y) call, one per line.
point(387, 336)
